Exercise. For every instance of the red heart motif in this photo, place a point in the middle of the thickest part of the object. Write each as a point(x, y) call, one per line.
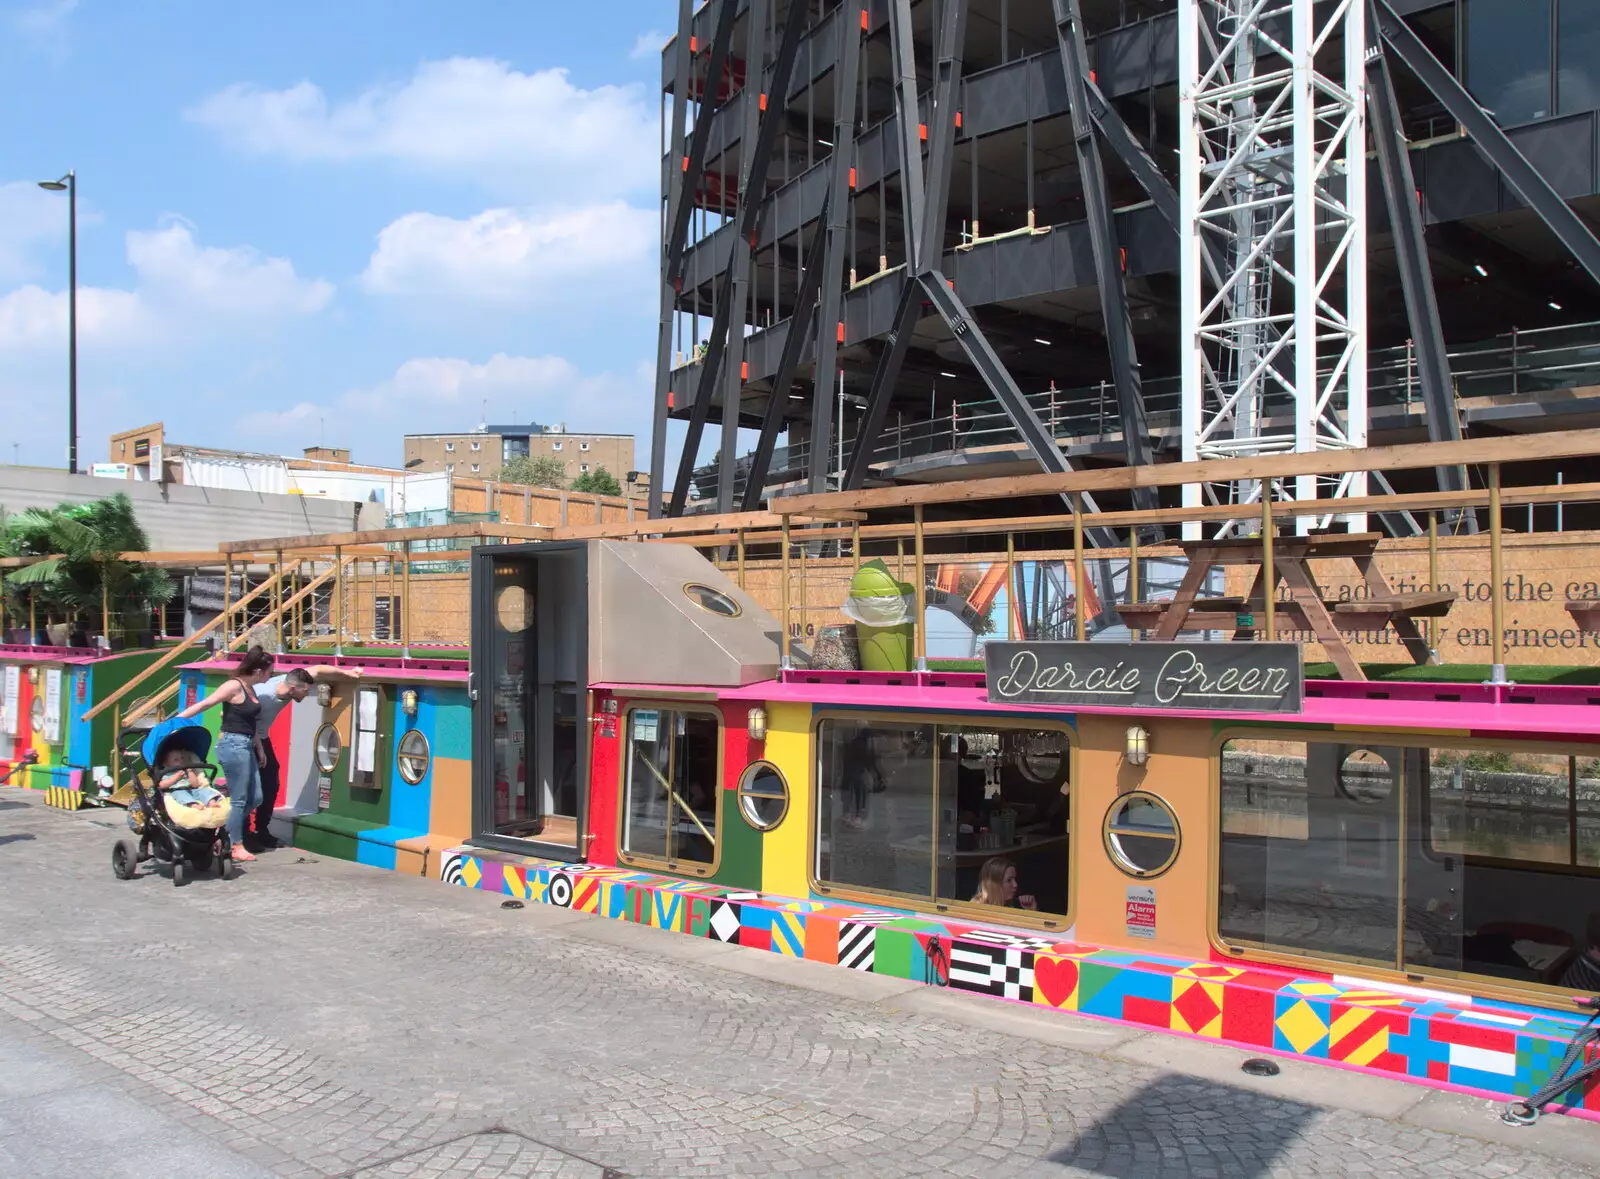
point(1055, 979)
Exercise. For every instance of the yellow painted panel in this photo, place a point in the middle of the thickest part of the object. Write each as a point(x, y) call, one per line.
point(784, 852)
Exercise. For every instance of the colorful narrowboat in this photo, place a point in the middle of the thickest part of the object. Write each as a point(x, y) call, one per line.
point(1396, 877)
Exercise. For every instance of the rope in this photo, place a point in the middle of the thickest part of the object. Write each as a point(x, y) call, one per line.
point(1528, 1111)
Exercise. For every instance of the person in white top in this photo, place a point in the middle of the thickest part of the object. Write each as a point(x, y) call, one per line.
point(275, 695)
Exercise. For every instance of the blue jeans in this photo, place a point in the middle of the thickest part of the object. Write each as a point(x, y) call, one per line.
point(236, 754)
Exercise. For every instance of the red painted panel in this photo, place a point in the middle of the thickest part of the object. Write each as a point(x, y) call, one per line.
point(605, 780)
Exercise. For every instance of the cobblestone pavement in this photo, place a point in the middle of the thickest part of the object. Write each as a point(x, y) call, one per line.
point(316, 1018)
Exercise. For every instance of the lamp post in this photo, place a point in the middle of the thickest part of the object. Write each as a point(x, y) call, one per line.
point(69, 184)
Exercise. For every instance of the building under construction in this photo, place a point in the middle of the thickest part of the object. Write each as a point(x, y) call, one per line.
point(926, 239)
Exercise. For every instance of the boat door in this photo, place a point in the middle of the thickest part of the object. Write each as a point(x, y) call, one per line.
point(530, 762)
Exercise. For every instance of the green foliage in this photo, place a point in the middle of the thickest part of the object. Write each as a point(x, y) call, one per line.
point(536, 471)
point(1496, 761)
point(597, 482)
point(83, 544)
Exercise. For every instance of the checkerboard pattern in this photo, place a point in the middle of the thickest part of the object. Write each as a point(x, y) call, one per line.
point(1496, 1049)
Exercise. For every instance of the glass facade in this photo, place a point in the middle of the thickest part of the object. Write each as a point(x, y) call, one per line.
point(1578, 55)
point(945, 812)
point(1508, 57)
point(1478, 862)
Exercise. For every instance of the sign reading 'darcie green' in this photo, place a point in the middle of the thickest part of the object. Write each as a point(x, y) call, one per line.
point(1208, 677)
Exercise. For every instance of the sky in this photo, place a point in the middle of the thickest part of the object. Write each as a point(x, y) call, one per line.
point(304, 223)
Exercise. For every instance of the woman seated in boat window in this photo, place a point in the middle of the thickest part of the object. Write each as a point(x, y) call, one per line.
point(997, 885)
point(1584, 973)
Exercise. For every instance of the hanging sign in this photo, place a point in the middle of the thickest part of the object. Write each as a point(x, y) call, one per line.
point(1206, 677)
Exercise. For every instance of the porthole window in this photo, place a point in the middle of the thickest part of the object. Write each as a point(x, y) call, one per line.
point(329, 745)
point(712, 601)
point(413, 756)
point(1365, 776)
point(1141, 834)
point(763, 796)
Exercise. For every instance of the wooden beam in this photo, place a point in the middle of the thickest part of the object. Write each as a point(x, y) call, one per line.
point(1510, 449)
point(384, 536)
point(1281, 510)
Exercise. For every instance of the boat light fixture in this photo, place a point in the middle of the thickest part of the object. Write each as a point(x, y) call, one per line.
point(408, 702)
point(325, 695)
point(756, 724)
point(1138, 751)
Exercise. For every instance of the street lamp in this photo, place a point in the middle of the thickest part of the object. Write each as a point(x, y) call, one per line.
point(69, 185)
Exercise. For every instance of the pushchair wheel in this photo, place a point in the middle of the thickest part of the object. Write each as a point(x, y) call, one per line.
point(180, 872)
point(224, 867)
point(124, 860)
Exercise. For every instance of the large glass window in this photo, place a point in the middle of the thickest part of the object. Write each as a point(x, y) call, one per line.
point(1508, 58)
point(1469, 861)
point(672, 793)
point(950, 814)
point(1578, 56)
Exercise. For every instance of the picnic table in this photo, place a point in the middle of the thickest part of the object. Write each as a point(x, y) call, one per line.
point(1306, 608)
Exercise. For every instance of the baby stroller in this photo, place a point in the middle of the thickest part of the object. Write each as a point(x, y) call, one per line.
point(187, 839)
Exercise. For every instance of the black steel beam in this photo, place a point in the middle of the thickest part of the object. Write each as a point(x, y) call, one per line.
point(942, 110)
point(1525, 180)
point(694, 166)
point(1107, 257)
point(908, 125)
point(752, 193)
point(681, 60)
point(884, 378)
point(836, 218)
point(1411, 251)
point(794, 346)
point(727, 334)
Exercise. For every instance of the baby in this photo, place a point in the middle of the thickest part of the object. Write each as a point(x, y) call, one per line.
point(180, 765)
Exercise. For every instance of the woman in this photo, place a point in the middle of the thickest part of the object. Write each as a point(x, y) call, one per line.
point(239, 751)
point(997, 885)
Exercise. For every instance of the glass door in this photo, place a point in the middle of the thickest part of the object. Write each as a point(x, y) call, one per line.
point(504, 653)
point(530, 761)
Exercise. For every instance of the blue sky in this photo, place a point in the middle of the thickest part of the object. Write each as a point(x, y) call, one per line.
point(339, 222)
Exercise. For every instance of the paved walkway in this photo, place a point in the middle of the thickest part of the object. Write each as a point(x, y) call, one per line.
point(316, 1018)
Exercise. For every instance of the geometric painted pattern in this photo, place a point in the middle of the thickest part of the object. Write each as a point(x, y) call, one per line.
point(1495, 1049)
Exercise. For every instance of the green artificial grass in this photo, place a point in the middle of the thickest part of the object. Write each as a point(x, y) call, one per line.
point(386, 652)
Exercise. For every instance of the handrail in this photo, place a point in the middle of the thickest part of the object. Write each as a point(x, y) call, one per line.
point(178, 650)
point(155, 701)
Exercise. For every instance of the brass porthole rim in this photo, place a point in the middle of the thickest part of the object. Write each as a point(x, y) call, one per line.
point(1115, 855)
point(743, 792)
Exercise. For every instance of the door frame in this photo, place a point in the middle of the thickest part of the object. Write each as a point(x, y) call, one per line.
point(481, 597)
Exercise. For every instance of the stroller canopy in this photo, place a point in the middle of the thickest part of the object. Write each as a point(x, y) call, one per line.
point(181, 732)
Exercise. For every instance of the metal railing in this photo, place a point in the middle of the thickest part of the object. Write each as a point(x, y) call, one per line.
point(1519, 365)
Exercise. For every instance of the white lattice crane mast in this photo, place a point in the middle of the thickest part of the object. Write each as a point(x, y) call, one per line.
point(1272, 126)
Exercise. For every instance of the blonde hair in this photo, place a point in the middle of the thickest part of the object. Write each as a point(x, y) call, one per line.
point(992, 881)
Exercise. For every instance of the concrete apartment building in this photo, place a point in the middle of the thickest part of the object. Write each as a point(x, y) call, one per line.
point(484, 451)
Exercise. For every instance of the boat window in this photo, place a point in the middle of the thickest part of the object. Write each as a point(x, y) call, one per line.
point(672, 788)
point(1442, 862)
point(1141, 834)
point(946, 814)
point(328, 746)
point(364, 765)
point(413, 756)
point(763, 796)
point(712, 601)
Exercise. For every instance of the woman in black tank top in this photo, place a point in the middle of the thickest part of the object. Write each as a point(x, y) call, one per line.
point(239, 750)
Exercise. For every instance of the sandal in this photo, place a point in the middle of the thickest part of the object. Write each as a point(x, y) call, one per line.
point(241, 855)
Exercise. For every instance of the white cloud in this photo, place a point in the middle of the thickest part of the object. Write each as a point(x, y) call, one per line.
point(468, 118)
point(447, 393)
point(44, 20)
point(185, 292)
point(29, 218)
point(504, 255)
point(649, 44)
